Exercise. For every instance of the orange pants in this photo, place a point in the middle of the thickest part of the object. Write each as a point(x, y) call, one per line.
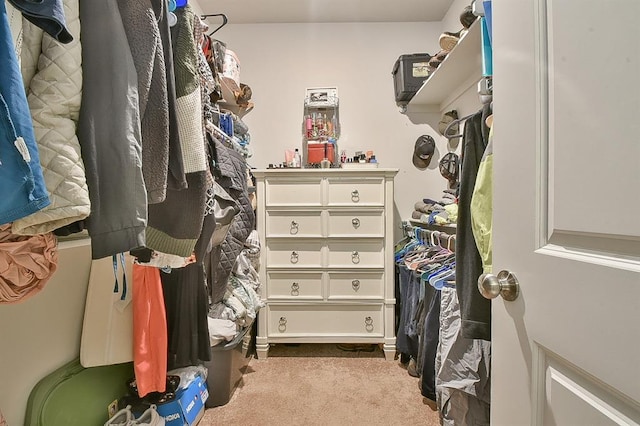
point(149, 331)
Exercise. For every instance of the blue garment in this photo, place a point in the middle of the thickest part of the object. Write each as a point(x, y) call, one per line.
point(46, 14)
point(22, 187)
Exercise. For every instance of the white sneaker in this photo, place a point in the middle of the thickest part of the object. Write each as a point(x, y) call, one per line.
point(149, 418)
point(123, 417)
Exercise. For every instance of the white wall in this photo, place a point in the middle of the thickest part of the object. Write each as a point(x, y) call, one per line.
point(42, 333)
point(278, 61)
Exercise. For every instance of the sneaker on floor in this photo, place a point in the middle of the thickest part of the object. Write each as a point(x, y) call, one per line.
point(449, 40)
point(467, 18)
point(121, 418)
point(149, 418)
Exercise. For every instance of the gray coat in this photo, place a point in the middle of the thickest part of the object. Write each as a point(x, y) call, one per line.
point(109, 132)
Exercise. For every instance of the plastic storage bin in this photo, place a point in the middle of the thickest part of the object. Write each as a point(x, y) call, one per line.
point(409, 73)
point(226, 369)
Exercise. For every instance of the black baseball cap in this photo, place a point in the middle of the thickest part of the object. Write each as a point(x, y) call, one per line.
point(423, 151)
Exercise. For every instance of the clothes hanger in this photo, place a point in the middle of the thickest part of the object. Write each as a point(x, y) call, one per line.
point(453, 123)
point(224, 21)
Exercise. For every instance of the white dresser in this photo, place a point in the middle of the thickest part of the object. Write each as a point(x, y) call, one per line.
point(327, 257)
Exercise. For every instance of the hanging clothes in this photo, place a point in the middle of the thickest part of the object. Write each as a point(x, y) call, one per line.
point(482, 207)
point(140, 22)
point(109, 132)
point(21, 179)
point(475, 309)
point(176, 223)
point(186, 301)
point(54, 94)
point(48, 15)
point(462, 369)
point(149, 331)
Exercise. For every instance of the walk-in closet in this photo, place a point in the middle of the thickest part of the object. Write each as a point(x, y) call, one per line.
point(322, 212)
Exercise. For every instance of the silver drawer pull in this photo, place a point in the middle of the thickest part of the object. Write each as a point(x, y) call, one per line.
point(355, 222)
point(355, 284)
point(355, 196)
point(282, 324)
point(355, 257)
point(294, 227)
point(295, 289)
point(368, 324)
point(294, 257)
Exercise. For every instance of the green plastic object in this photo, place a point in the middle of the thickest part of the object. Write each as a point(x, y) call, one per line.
point(77, 396)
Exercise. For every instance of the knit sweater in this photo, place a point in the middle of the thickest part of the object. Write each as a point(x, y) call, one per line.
point(141, 26)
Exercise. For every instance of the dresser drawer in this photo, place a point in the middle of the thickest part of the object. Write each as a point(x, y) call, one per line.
point(291, 253)
point(325, 320)
point(368, 254)
point(293, 224)
point(356, 285)
point(356, 192)
point(356, 223)
point(294, 192)
point(301, 285)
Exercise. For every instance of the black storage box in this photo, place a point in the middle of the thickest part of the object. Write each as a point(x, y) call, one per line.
point(227, 365)
point(409, 72)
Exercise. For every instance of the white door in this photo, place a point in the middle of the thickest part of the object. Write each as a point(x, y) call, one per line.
point(567, 212)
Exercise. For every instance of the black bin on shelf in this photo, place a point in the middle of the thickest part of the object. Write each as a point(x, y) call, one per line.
point(226, 369)
point(409, 73)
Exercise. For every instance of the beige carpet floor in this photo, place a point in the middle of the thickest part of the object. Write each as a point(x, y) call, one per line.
point(314, 384)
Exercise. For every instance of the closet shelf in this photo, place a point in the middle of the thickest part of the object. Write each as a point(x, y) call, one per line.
point(461, 69)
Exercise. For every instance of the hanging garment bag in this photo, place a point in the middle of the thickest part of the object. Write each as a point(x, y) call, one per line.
point(107, 330)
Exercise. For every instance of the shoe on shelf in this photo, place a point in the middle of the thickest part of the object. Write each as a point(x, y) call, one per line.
point(123, 417)
point(436, 59)
point(149, 418)
point(467, 18)
point(449, 40)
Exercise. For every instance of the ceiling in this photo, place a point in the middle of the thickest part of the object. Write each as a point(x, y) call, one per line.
point(292, 11)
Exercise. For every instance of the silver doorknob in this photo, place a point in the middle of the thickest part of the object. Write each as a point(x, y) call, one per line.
point(504, 284)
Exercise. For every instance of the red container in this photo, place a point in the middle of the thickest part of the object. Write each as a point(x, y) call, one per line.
point(315, 152)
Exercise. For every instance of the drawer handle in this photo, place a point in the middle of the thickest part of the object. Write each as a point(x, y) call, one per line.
point(355, 284)
point(355, 196)
point(368, 324)
point(295, 289)
point(294, 227)
point(282, 325)
point(355, 222)
point(355, 257)
point(294, 257)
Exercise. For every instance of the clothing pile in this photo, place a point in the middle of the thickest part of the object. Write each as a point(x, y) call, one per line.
point(441, 212)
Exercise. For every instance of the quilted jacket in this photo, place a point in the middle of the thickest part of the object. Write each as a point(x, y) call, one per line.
point(53, 73)
point(233, 179)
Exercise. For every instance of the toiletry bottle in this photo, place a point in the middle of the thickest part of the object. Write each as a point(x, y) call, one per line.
point(296, 159)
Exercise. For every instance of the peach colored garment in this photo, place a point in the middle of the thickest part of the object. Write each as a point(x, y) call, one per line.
point(149, 331)
point(26, 264)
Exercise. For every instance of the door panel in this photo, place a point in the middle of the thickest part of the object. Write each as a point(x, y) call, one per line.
point(565, 352)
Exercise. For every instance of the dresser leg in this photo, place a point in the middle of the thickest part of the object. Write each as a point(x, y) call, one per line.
point(262, 349)
point(389, 352)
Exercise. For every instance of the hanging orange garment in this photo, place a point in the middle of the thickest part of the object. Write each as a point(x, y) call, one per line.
point(149, 331)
